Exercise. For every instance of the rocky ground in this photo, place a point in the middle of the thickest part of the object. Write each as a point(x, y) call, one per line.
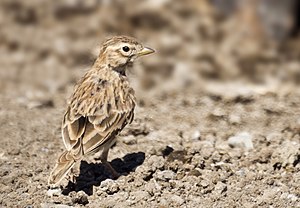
point(218, 116)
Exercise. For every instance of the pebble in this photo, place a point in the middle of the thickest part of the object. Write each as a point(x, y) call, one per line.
point(196, 135)
point(129, 140)
point(220, 188)
point(109, 186)
point(234, 119)
point(53, 192)
point(292, 197)
point(52, 205)
point(139, 195)
point(165, 175)
point(219, 112)
point(241, 172)
point(80, 198)
point(242, 140)
point(155, 162)
point(204, 183)
point(287, 155)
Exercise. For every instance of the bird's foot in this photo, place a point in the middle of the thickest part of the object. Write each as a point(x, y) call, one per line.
point(112, 171)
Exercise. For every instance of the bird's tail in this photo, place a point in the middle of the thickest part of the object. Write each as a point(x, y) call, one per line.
point(64, 164)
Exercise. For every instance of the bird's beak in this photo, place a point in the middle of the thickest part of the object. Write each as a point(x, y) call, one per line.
point(145, 51)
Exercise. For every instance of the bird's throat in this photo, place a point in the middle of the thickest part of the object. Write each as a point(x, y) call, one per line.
point(120, 69)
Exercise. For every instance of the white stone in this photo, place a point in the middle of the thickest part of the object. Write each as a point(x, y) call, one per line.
point(196, 135)
point(165, 175)
point(53, 192)
point(242, 140)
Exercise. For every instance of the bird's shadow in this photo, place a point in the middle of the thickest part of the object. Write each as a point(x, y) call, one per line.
point(92, 174)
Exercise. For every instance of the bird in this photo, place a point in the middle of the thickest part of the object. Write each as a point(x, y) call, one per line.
point(101, 105)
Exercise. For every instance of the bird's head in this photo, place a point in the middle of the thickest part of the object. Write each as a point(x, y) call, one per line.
point(120, 51)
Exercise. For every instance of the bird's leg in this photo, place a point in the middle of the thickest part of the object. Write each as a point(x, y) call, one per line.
point(74, 172)
point(103, 158)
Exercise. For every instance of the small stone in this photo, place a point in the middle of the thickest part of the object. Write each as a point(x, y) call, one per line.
point(80, 198)
point(165, 175)
point(188, 167)
point(241, 172)
point(109, 186)
point(242, 140)
point(218, 112)
point(204, 183)
point(2, 156)
point(195, 172)
point(196, 135)
point(54, 192)
point(220, 187)
point(129, 140)
point(139, 195)
point(287, 155)
point(155, 162)
point(177, 199)
point(150, 166)
point(106, 183)
point(234, 119)
point(291, 197)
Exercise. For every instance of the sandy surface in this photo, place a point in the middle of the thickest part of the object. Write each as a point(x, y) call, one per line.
point(216, 125)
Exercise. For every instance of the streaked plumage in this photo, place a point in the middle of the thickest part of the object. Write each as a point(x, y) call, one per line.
point(101, 105)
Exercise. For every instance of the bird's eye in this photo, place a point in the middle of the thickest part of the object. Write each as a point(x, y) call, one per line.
point(125, 48)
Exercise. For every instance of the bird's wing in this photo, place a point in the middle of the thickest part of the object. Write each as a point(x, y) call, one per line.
point(98, 110)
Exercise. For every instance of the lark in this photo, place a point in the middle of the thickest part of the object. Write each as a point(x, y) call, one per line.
point(101, 105)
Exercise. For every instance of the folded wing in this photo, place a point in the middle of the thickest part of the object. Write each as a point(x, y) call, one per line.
point(96, 113)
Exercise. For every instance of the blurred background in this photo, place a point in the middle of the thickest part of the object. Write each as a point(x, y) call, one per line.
point(45, 46)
